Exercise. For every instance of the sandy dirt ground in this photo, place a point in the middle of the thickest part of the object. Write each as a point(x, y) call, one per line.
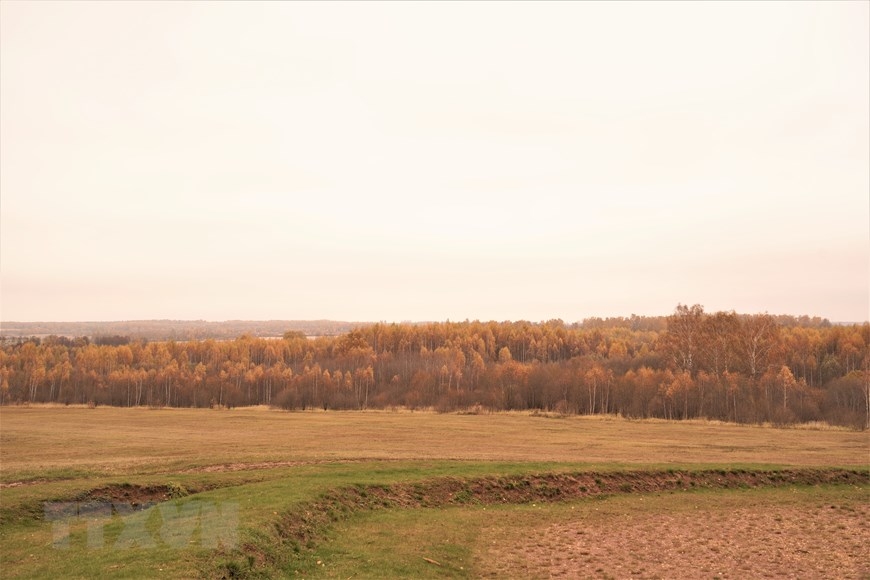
point(823, 541)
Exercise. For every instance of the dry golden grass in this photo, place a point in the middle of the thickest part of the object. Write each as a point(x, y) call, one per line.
point(42, 440)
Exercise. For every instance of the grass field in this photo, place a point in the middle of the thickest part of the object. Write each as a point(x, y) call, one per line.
point(260, 473)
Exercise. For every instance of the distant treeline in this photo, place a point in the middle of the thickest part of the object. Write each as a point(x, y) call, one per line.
point(103, 332)
point(723, 365)
point(173, 329)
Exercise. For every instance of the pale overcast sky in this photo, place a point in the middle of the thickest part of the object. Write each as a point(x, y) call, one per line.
point(432, 161)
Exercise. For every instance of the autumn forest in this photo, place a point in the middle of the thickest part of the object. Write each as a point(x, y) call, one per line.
point(692, 364)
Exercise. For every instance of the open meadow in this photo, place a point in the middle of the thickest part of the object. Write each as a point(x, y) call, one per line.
point(377, 290)
point(262, 493)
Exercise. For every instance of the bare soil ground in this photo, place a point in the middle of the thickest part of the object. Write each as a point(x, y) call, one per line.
point(306, 522)
point(822, 541)
point(132, 494)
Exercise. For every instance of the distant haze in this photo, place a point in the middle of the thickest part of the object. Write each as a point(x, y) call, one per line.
point(432, 161)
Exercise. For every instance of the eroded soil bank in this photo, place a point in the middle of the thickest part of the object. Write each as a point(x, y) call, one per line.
point(300, 528)
point(301, 523)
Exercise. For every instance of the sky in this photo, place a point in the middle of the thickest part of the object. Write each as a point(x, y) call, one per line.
point(433, 161)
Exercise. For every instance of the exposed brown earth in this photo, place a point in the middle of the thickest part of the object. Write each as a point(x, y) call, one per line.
point(103, 501)
point(301, 526)
point(771, 542)
point(137, 496)
point(568, 486)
